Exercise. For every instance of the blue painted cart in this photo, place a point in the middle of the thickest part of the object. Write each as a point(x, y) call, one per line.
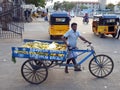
point(35, 69)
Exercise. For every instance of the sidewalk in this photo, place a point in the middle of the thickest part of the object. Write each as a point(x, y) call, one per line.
point(36, 29)
point(33, 30)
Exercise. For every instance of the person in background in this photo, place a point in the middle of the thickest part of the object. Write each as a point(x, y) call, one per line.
point(118, 30)
point(86, 18)
point(70, 39)
point(27, 15)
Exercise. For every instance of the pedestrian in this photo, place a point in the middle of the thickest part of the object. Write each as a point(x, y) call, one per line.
point(118, 34)
point(27, 15)
point(70, 39)
point(118, 31)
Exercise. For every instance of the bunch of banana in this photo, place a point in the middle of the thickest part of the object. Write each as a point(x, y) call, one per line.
point(44, 45)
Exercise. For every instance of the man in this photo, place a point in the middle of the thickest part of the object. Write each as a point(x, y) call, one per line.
point(27, 14)
point(70, 39)
point(118, 34)
point(118, 31)
point(86, 18)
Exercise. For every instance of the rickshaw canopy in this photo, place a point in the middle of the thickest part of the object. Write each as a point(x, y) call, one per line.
point(106, 16)
point(106, 19)
point(59, 18)
point(59, 14)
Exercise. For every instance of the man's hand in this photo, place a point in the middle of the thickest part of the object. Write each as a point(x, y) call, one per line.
point(82, 38)
point(88, 42)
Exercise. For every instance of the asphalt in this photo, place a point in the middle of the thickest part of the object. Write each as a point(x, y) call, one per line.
point(10, 74)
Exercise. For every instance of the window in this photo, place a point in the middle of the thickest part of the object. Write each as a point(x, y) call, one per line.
point(60, 19)
point(110, 20)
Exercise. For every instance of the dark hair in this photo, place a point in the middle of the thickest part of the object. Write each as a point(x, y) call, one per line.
point(73, 24)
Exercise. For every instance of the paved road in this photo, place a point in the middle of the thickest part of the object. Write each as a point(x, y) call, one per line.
point(10, 73)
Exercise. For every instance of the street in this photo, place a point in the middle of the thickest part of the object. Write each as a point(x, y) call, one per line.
point(10, 73)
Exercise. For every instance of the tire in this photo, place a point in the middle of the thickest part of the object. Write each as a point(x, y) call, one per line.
point(113, 35)
point(51, 37)
point(34, 71)
point(101, 66)
point(102, 35)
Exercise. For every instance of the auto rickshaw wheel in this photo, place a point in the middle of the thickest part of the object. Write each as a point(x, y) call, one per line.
point(101, 35)
point(113, 35)
point(51, 37)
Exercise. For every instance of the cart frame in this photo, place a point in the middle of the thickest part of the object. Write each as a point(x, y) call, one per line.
point(35, 70)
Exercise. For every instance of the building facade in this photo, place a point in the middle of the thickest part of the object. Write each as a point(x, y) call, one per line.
point(102, 4)
point(89, 5)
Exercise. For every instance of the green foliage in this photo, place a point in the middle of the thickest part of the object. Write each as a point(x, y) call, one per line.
point(118, 4)
point(67, 5)
point(110, 6)
point(57, 5)
point(83, 7)
point(36, 2)
point(64, 5)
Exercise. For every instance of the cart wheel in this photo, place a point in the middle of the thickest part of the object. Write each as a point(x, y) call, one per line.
point(101, 66)
point(48, 63)
point(34, 71)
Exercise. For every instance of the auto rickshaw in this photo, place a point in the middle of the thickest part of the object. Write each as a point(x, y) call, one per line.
point(105, 25)
point(35, 14)
point(58, 24)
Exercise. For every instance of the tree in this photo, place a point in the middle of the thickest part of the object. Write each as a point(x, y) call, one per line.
point(110, 6)
point(118, 4)
point(67, 5)
point(83, 7)
point(36, 2)
point(57, 5)
point(64, 5)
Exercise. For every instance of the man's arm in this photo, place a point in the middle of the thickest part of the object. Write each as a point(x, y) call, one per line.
point(82, 38)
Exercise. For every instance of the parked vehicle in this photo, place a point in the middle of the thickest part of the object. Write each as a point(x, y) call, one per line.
point(58, 24)
point(105, 25)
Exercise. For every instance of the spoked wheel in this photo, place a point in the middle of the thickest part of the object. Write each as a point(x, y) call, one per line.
point(101, 66)
point(34, 71)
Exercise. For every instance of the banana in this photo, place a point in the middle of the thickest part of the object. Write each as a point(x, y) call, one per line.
point(42, 45)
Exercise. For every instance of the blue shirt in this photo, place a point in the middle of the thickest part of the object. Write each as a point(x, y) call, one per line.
point(72, 37)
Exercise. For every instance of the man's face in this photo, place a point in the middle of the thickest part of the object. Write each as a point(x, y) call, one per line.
point(74, 27)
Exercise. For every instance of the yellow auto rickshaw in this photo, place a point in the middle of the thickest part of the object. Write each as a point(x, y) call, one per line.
point(58, 24)
point(35, 14)
point(105, 25)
